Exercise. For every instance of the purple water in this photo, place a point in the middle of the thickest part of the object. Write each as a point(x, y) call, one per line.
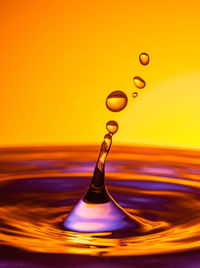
point(39, 186)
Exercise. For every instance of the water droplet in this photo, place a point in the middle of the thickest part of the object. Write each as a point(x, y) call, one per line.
point(116, 101)
point(112, 127)
point(135, 94)
point(144, 58)
point(139, 82)
point(108, 140)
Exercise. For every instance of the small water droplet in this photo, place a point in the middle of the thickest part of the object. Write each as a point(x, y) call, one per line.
point(139, 82)
point(116, 101)
point(135, 94)
point(108, 140)
point(144, 58)
point(112, 127)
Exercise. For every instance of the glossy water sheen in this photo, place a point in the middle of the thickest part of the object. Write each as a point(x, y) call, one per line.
point(160, 187)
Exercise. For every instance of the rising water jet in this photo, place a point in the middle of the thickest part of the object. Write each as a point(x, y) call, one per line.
point(97, 211)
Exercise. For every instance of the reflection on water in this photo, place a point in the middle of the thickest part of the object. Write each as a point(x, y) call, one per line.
point(40, 186)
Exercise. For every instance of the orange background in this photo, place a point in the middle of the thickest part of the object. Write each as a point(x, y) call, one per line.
point(60, 60)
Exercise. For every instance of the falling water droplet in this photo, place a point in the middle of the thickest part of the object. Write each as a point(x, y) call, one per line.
point(144, 58)
point(139, 82)
point(116, 101)
point(135, 94)
point(112, 127)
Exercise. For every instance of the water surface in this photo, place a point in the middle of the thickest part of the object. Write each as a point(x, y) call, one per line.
point(39, 186)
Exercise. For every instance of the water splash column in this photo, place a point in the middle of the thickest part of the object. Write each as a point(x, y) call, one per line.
point(97, 211)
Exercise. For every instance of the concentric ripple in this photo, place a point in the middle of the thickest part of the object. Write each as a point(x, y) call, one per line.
point(40, 186)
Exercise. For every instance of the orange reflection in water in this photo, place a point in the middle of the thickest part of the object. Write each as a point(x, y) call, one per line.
point(159, 187)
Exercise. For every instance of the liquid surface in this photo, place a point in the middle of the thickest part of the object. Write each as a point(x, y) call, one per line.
point(40, 186)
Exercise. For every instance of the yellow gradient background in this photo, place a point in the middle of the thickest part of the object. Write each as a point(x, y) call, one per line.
point(60, 60)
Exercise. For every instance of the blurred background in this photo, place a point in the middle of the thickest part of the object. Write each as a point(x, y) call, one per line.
point(61, 59)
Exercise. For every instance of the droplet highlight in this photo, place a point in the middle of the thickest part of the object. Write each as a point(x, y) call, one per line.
point(144, 58)
point(139, 82)
point(116, 101)
point(135, 94)
point(112, 127)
